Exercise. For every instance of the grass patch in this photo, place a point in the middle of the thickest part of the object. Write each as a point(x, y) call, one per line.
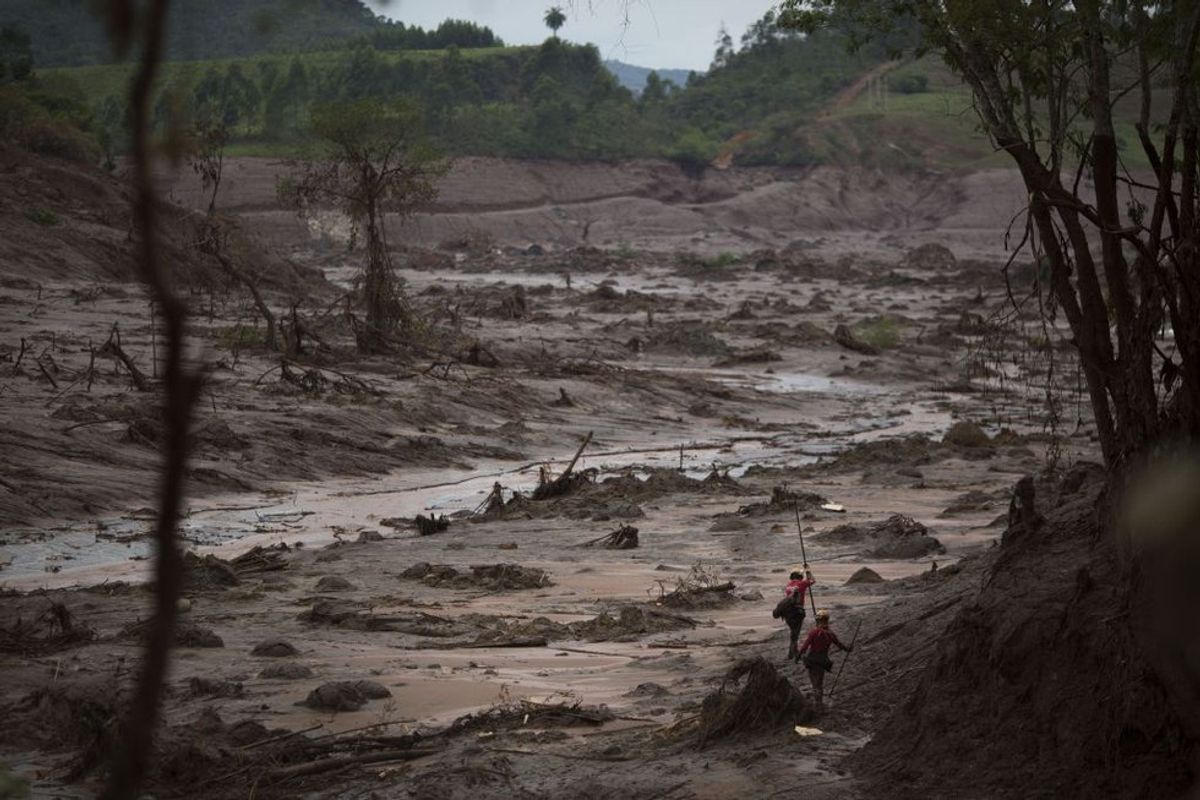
point(882, 333)
point(238, 337)
point(41, 216)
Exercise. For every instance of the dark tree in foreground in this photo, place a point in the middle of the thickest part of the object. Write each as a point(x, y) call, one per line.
point(131, 757)
point(373, 161)
point(1122, 257)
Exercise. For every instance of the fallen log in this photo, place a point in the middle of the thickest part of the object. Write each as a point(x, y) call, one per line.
point(328, 764)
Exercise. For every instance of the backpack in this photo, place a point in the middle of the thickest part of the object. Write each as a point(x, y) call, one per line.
point(785, 606)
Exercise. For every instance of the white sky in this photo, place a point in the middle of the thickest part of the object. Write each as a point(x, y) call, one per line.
point(664, 34)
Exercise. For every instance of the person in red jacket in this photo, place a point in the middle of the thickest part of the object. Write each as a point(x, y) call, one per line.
point(791, 607)
point(815, 652)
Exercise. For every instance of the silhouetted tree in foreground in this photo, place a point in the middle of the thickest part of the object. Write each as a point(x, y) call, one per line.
point(146, 21)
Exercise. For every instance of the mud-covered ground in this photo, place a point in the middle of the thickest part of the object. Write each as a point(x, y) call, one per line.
point(710, 382)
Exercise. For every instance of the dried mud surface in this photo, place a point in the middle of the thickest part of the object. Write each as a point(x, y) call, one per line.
point(707, 383)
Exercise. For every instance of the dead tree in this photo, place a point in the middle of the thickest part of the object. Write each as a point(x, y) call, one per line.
point(562, 484)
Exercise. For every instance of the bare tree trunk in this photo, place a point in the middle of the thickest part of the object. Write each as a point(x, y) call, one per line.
point(131, 758)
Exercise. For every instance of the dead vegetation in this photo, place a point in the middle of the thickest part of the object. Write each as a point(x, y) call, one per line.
point(623, 538)
point(48, 631)
point(511, 713)
point(488, 577)
point(897, 536)
point(753, 699)
point(702, 587)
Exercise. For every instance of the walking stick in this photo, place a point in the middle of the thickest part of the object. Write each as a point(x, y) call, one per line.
point(853, 639)
point(804, 555)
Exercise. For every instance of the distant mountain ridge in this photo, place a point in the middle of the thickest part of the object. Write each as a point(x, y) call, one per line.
point(633, 77)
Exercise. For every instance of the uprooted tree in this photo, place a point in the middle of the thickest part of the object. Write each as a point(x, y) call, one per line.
point(1121, 256)
point(373, 161)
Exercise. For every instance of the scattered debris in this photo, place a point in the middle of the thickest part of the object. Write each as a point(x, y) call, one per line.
point(208, 572)
point(896, 537)
point(434, 523)
point(213, 687)
point(510, 714)
point(494, 577)
point(623, 538)
point(357, 616)
point(52, 630)
point(783, 500)
point(700, 588)
point(566, 481)
point(261, 559)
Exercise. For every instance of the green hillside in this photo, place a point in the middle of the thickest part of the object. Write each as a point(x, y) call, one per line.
point(775, 99)
point(64, 32)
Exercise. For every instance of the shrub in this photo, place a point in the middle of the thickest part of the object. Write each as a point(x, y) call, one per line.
point(31, 127)
point(882, 333)
point(909, 84)
point(41, 216)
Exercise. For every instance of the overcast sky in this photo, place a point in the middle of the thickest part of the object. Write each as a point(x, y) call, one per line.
point(664, 34)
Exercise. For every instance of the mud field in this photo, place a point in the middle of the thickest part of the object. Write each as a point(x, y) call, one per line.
point(740, 350)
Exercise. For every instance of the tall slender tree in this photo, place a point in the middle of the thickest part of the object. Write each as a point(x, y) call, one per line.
point(554, 19)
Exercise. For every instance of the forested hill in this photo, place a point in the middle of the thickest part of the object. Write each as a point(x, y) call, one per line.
point(66, 33)
point(771, 97)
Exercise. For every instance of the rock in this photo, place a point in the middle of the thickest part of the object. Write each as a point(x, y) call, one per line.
point(286, 672)
point(372, 690)
point(648, 690)
point(846, 338)
point(274, 648)
point(345, 695)
point(336, 696)
point(864, 575)
point(751, 595)
point(333, 583)
point(370, 536)
point(966, 434)
point(187, 635)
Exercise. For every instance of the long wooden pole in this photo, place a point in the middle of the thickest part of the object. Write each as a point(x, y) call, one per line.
point(842, 666)
point(804, 555)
